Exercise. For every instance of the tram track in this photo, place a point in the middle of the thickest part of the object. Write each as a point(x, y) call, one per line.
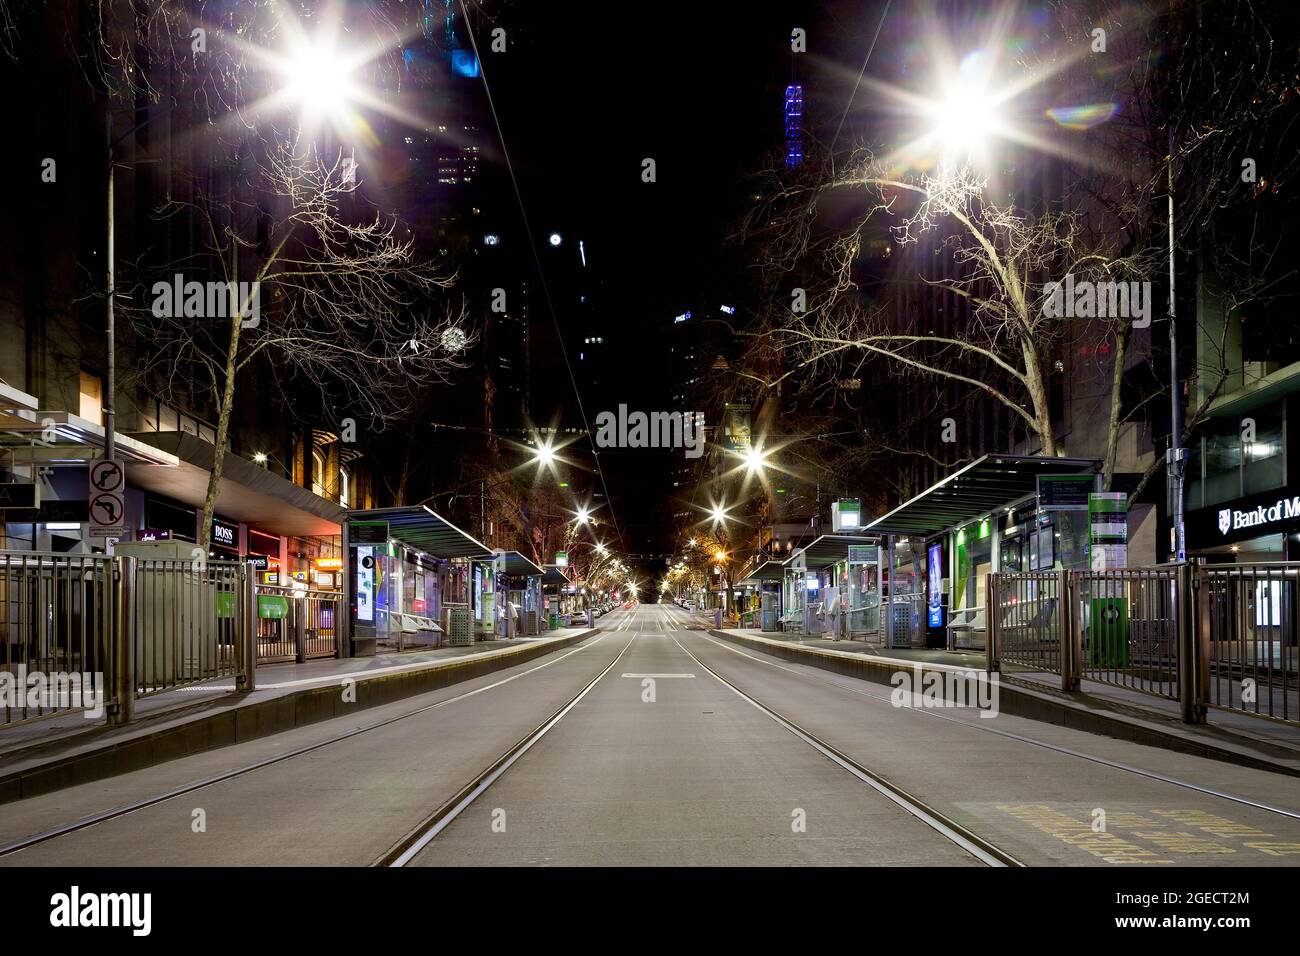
point(1021, 738)
point(104, 816)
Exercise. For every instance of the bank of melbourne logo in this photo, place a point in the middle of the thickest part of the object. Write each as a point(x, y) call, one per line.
point(654, 430)
point(1225, 520)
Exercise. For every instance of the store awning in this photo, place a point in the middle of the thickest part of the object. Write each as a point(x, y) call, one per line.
point(63, 439)
point(553, 575)
point(248, 492)
point(986, 484)
point(767, 571)
point(515, 564)
point(425, 530)
point(829, 549)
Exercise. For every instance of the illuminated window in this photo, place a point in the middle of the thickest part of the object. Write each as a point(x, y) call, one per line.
point(91, 406)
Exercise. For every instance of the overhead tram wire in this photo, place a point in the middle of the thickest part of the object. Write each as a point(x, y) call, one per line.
point(537, 259)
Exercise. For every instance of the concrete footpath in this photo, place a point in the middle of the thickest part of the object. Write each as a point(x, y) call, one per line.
point(65, 750)
point(1098, 708)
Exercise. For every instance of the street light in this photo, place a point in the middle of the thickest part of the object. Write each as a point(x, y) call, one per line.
point(755, 460)
point(544, 454)
point(555, 239)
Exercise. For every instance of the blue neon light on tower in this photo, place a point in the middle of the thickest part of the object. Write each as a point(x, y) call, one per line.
point(794, 125)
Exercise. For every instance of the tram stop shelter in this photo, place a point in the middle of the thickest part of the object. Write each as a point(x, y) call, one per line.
point(764, 582)
point(832, 586)
point(999, 513)
point(556, 593)
point(509, 604)
point(407, 580)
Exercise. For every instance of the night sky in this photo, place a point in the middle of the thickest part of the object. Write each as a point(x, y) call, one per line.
point(587, 92)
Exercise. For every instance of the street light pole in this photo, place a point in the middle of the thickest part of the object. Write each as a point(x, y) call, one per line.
point(1176, 456)
point(110, 384)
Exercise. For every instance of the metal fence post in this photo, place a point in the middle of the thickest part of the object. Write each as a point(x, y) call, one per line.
point(1068, 626)
point(1193, 643)
point(246, 676)
point(992, 616)
point(122, 588)
point(300, 612)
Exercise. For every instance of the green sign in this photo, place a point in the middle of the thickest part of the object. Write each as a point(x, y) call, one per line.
point(561, 559)
point(367, 532)
point(274, 607)
point(225, 604)
point(1064, 492)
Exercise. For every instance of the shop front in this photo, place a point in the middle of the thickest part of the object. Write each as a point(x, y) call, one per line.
point(1256, 528)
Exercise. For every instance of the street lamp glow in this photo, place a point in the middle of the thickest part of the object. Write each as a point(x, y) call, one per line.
point(963, 119)
point(555, 239)
point(755, 460)
point(260, 458)
point(545, 454)
point(718, 513)
point(719, 556)
point(582, 514)
point(318, 78)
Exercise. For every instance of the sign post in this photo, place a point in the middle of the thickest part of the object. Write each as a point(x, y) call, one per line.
point(107, 499)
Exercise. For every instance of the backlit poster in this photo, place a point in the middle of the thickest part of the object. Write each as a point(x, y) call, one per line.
point(934, 582)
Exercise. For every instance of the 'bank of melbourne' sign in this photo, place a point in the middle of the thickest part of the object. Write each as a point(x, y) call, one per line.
point(1232, 519)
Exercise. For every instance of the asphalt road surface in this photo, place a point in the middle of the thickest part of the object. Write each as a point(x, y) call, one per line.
point(681, 750)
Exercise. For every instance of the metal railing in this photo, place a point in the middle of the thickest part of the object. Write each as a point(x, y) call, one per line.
point(1251, 622)
point(1151, 630)
point(1023, 620)
point(296, 624)
point(1128, 620)
point(186, 620)
point(56, 612)
point(128, 627)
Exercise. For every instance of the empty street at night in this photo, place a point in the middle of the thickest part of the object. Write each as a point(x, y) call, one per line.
point(826, 458)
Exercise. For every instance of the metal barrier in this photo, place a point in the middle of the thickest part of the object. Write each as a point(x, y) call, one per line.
point(186, 619)
point(56, 612)
point(295, 624)
point(1217, 635)
point(1024, 621)
point(98, 632)
point(1250, 623)
point(1127, 621)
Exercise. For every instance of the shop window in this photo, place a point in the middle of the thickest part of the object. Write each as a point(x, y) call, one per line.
point(318, 473)
point(1262, 465)
point(91, 399)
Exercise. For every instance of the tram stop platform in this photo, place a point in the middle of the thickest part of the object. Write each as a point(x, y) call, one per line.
point(1099, 708)
point(51, 753)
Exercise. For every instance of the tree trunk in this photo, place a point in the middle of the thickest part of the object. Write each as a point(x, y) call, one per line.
point(1116, 389)
point(1039, 395)
point(223, 430)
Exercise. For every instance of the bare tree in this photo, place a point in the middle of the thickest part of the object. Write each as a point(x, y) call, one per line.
point(1002, 258)
point(340, 302)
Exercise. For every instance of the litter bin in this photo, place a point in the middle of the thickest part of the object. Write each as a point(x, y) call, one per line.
point(1108, 644)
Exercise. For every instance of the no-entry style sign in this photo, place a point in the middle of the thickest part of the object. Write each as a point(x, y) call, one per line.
point(107, 499)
